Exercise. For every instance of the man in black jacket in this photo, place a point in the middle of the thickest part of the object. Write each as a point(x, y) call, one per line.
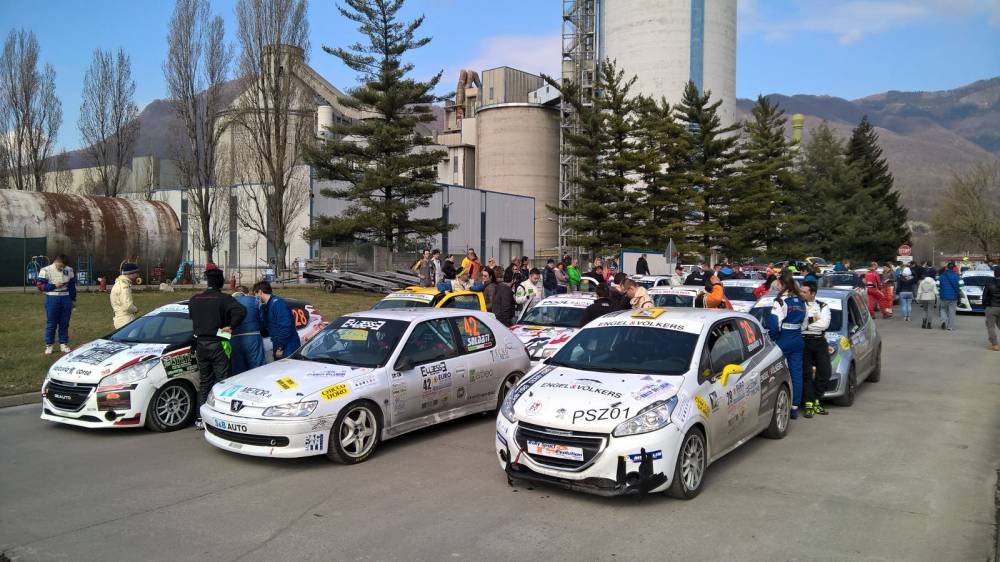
point(213, 314)
point(697, 276)
point(599, 307)
point(642, 266)
point(549, 281)
point(991, 300)
point(503, 300)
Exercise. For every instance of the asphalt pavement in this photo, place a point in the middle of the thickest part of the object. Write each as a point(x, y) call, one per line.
point(908, 473)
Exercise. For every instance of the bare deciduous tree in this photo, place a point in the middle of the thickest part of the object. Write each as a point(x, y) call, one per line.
point(968, 215)
point(109, 123)
point(196, 69)
point(60, 180)
point(273, 117)
point(30, 112)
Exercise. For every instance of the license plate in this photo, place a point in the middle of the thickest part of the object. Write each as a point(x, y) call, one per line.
point(555, 451)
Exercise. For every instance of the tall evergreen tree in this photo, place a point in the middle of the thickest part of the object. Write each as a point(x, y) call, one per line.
point(831, 194)
point(607, 213)
point(711, 162)
point(766, 204)
point(668, 195)
point(887, 216)
point(387, 170)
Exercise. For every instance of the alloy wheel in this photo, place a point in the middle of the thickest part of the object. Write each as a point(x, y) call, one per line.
point(357, 432)
point(173, 405)
point(693, 463)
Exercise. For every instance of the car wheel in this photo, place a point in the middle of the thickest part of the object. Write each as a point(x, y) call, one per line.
point(171, 408)
point(692, 460)
point(355, 434)
point(508, 384)
point(876, 373)
point(779, 417)
point(330, 286)
point(850, 391)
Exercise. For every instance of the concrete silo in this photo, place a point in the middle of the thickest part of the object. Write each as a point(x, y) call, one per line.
point(517, 152)
point(668, 42)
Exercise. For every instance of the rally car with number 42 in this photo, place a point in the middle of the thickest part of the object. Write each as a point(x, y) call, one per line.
point(643, 401)
point(369, 376)
point(142, 374)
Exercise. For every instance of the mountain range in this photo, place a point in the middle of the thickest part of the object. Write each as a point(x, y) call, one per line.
point(926, 136)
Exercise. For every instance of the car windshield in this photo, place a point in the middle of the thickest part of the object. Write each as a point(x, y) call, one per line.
point(838, 279)
point(360, 342)
point(836, 317)
point(818, 261)
point(739, 293)
point(634, 349)
point(168, 327)
point(400, 303)
point(673, 301)
point(646, 284)
point(978, 280)
point(562, 316)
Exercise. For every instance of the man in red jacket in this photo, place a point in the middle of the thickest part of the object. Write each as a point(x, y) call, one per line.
point(873, 284)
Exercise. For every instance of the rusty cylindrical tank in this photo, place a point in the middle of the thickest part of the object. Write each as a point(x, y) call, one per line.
point(109, 229)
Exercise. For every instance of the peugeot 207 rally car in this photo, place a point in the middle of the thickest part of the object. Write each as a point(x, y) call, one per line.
point(367, 377)
point(976, 282)
point(545, 327)
point(643, 401)
point(740, 293)
point(143, 373)
point(853, 342)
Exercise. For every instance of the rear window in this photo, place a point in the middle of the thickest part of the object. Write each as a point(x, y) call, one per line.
point(673, 301)
point(399, 303)
point(739, 293)
point(562, 316)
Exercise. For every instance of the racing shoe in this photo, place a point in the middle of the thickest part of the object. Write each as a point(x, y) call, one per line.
point(819, 409)
point(809, 410)
point(794, 413)
point(48, 350)
point(64, 348)
point(199, 425)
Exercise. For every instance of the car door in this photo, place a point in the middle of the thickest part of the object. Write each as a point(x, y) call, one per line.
point(728, 412)
point(423, 378)
point(467, 301)
point(857, 326)
point(479, 381)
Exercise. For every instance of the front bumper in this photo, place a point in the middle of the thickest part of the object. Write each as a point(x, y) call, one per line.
point(617, 469)
point(90, 414)
point(266, 437)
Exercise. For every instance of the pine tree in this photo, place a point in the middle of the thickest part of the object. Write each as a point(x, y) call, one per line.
point(711, 163)
point(886, 215)
point(831, 193)
point(387, 170)
point(766, 205)
point(668, 194)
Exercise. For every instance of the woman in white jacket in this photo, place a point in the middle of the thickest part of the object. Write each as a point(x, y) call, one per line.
point(926, 297)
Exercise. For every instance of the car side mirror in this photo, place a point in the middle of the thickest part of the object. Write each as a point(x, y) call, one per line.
point(404, 364)
point(731, 369)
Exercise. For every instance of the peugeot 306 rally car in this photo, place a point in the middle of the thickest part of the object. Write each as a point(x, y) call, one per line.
point(643, 401)
point(142, 374)
point(369, 376)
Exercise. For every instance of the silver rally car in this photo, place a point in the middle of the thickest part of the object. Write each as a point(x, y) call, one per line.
point(853, 341)
point(143, 374)
point(643, 401)
point(367, 377)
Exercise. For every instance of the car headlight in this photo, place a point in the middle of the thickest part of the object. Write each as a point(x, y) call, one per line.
point(129, 375)
point(507, 408)
point(650, 418)
point(211, 399)
point(546, 353)
point(297, 410)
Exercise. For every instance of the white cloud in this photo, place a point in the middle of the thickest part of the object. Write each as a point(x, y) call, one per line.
point(530, 53)
point(853, 20)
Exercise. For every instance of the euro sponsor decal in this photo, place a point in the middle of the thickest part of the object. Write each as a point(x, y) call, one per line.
point(374, 325)
point(600, 414)
point(652, 391)
point(287, 383)
point(336, 391)
point(581, 387)
point(654, 455)
point(436, 383)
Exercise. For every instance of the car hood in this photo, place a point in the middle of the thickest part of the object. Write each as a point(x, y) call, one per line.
point(288, 381)
point(91, 362)
point(557, 395)
point(742, 306)
point(538, 340)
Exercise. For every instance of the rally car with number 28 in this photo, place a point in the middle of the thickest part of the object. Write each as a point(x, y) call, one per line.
point(369, 376)
point(643, 401)
point(142, 374)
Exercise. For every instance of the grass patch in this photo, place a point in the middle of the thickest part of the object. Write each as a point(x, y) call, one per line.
point(22, 325)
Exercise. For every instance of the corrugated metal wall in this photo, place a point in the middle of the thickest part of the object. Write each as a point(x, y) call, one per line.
point(508, 85)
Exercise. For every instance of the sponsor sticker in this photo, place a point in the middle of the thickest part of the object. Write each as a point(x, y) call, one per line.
point(374, 325)
point(845, 343)
point(364, 381)
point(336, 391)
point(180, 364)
point(534, 408)
point(286, 383)
point(230, 426)
point(352, 334)
point(651, 391)
point(582, 387)
point(231, 391)
point(637, 457)
point(555, 451)
point(600, 414)
point(648, 313)
point(702, 405)
point(315, 442)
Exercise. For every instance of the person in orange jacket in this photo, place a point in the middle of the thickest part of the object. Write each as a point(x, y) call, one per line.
point(715, 296)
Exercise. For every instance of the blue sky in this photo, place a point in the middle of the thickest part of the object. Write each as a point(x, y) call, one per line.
point(843, 48)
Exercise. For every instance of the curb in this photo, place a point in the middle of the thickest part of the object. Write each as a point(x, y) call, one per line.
point(20, 399)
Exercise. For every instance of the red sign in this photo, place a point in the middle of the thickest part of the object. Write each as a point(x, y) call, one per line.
point(904, 250)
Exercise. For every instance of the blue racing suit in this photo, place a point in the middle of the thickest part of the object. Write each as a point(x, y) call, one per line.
point(58, 300)
point(248, 345)
point(281, 326)
point(785, 324)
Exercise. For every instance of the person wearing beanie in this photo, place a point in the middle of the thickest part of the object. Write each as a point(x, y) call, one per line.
point(906, 285)
point(121, 296)
point(214, 315)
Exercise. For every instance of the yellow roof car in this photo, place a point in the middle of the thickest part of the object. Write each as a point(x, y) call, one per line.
point(416, 297)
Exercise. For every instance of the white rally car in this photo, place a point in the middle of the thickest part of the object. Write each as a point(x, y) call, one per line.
point(142, 374)
point(367, 377)
point(643, 401)
point(975, 282)
point(675, 297)
point(650, 281)
point(740, 293)
point(545, 327)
